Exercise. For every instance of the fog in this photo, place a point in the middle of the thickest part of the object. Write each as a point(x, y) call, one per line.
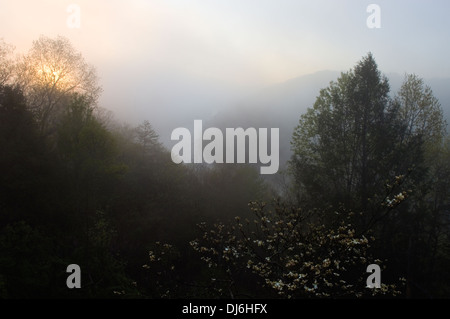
point(166, 184)
point(173, 61)
point(168, 100)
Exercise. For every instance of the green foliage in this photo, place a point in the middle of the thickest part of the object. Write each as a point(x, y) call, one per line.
point(284, 252)
point(147, 138)
point(372, 176)
point(88, 153)
point(341, 144)
point(26, 258)
point(161, 279)
point(420, 110)
point(103, 270)
point(24, 167)
point(355, 141)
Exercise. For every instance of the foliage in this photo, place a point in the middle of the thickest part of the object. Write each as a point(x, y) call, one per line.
point(343, 144)
point(354, 140)
point(372, 178)
point(284, 253)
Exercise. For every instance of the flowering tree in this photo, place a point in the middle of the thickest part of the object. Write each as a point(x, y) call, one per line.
point(284, 252)
point(289, 254)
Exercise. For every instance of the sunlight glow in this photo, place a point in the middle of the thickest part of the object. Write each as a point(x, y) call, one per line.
point(47, 74)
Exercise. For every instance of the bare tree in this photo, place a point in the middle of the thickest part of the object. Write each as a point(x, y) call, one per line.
point(50, 72)
point(6, 62)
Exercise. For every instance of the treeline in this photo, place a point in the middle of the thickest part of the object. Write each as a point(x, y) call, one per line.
point(370, 177)
point(386, 159)
point(78, 188)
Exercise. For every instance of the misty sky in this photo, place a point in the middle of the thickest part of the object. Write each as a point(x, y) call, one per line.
point(154, 55)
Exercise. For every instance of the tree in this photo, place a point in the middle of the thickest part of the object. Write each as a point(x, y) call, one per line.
point(285, 252)
point(6, 62)
point(420, 109)
point(341, 144)
point(88, 155)
point(147, 137)
point(50, 71)
point(426, 222)
point(24, 165)
point(359, 147)
point(26, 261)
point(421, 113)
point(421, 225)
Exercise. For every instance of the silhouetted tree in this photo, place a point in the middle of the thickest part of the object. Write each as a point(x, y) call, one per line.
point(50, 71)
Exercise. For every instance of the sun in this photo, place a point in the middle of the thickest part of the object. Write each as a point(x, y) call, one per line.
point(48, 74)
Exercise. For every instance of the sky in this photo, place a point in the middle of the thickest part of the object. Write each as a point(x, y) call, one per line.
point(160, 57)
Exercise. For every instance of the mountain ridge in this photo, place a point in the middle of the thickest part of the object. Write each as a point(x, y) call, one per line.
point(281, 104)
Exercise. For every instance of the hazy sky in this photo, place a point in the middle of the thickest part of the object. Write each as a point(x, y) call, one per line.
point(146, 50)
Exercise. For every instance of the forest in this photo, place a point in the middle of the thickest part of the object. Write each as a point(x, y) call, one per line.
point(368, 183)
